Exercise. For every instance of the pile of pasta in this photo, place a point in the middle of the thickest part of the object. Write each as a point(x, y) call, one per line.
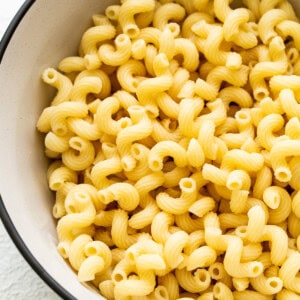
point(175, 140)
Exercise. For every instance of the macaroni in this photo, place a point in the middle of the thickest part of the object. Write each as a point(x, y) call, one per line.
point(174, 143)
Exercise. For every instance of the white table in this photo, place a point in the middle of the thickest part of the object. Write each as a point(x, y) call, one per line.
point(17, 280)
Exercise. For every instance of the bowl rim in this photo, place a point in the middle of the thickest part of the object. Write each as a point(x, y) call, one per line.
point(4, 215)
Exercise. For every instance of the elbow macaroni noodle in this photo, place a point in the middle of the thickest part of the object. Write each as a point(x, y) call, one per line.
point(175, 141)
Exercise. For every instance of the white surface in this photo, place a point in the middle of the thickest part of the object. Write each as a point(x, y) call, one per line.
point(17, 279)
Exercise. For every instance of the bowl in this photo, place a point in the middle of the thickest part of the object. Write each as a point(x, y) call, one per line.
point(41, 34)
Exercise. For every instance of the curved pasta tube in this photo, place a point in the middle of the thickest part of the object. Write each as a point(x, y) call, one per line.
point(98, 260)
point(287, 294)
point(76, 252)
point(202, 206)
point(217, 114)
point(266, 5)
point(112, 12)
point(257, 220)
point(104, 218)
point(296, 204)
point(195, 154)
point(240, 139)
point(268, 22)
point(81, 214)
point(267, 285)
point(289, 270)
point(57, 143)
point(103, 116)
point(170, 283)
point(71, 64)
point(61, 82)
point(164, 131)
point(62, 112)
point(61, 175)
point(214, 36)
point(149, 88)
point(182, 204)
point(90, 267)
point(144, 245)
point(260, 71)
point(140, 153)
point(292, 128)
point(193, 283)
point(278, 154)
point(201, 258)
point(232, 263)
point(166, 13)
point(149, 183)
point(164, 149)
point(190, 54)
point(289, 28)
point(167, 43)
point(189, 109)
point(119, 230)
point(160, 226)
point(206, 139)
point(128, 75)
point(104, 78)
point(269, 124)
point(102, 169)
point(173, 248)
point(144, 217)
point(169, 107)
point(80, 154)
point(138, 49)
point(129, 10)
point(237, 95)
point(90, 40)
point(126, 99)
point(118, 56)
point(141, 128)
point(141, 286)
point(180, 80)
point(188, 224)
point(222, 9)
point(43, 123)
point(209, 89)
point(190, 20)
point(250, 162)
point(124, 193)
point(84, 86)
point(281, 82)
point(233, 247)
point(235, 29)
point(222, 291)
point(238, 180)
point(150, 35)
point(280, 201)
point(84, 129)
point(59, 210)
point(215, 174)
point(288, 102)
point(278, 237)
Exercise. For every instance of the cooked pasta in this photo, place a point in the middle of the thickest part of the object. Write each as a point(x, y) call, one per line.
point(173, 136)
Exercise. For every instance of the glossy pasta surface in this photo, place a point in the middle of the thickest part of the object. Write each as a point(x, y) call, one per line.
point(174, 137)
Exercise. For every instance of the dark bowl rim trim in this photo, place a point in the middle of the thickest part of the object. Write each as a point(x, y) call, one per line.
point(4, 216)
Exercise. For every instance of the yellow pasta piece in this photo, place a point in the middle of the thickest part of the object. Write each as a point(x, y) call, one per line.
point(127, 13)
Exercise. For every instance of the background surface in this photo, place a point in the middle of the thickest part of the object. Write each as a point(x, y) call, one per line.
point(17, 279)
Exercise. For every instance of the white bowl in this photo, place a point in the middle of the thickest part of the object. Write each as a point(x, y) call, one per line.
point(42, 33)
